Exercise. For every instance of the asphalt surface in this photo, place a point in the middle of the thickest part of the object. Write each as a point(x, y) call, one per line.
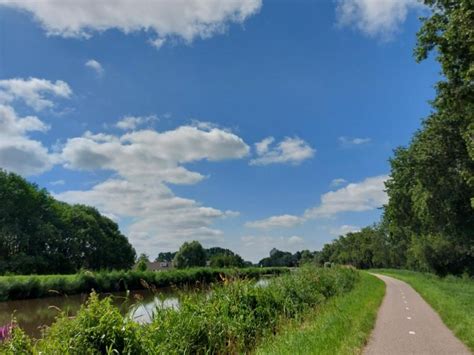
point(406, 324)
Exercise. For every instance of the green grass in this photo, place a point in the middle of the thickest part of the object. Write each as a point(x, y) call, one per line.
point(452, 297)
point(340, 326)
point(35, 286)
point(231, 318)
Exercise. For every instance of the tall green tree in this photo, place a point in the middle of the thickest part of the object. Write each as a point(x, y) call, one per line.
point(190, 254)
point(430, 214)
point(41, 235)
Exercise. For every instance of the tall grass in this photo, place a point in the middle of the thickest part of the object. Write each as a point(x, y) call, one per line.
point(232, 318)
point(35, 286)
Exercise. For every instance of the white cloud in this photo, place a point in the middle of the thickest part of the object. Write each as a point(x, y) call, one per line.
point(375, 17)
point(145, 162)
point(132, 122)
point(366, 195)
point(338, 182)
point(24, 156)
point(288, 151)
point(262, 146)
point(157, 42)
point(12, 125)
point(257, 247)
point(57, 182)
point(187, 19)
point(149, 155)
point(343, 230)
point(159, 219)
point(353, 141)
point(18, 152)
point(283, 221)
point(207, 126)
point(96, 66)
point(33, 92)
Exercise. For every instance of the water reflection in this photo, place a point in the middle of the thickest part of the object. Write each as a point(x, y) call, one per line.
point(33, 315)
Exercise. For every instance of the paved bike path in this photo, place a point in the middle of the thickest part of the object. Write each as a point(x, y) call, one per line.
point(406, 324)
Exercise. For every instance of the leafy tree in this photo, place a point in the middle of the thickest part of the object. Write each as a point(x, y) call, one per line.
point(279, 258)
point(226, 260)
point(41, 235)
point(165, 256)
point(365, 249)
point(190, 254)
point(142, 262)
point(306, 257)
point(431, 188)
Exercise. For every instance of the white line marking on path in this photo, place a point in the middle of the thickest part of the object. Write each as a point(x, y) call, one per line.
point(408, 317)
point(411, 332)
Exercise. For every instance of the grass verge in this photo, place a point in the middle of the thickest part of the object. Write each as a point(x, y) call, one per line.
point(452, 297)
point(340, 326)
point(36, 286)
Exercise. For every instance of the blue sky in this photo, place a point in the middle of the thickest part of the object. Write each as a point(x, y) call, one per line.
point(245, 125)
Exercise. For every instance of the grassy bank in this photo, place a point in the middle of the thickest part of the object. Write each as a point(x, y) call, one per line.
point(232, 318)
point(341, 326)
point(35, 286)
point(452, 297)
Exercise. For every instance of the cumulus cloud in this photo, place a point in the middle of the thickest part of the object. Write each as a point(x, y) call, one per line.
point(186, 19)
point(157, 42)
point(159, 219)
point(338, 182)
point(257, 247)
point(288, 151)
point(352, 141)
point(96, 66)
point(12, 125)
point(145, 162)
point(366, 195)
point(150, 155)
point(343, 230)
point(132, 122)
point(283, 221)
point(18, 152)
point(374, 18)
point(33, 92)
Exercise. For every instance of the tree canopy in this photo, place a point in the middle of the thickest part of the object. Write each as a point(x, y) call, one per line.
point(190, 254)
point(428, 223)
point(39, 234)
point(430, 213)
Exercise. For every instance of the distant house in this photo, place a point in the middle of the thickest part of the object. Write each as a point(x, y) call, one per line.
point(158, 265)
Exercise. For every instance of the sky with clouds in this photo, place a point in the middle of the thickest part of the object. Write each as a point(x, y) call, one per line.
point(246, 124)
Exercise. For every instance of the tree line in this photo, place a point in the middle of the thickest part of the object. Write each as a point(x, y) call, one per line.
point(428, 223)
point(40, 235)
point(193, 254)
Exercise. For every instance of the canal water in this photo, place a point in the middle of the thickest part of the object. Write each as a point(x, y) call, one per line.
point(34, 314)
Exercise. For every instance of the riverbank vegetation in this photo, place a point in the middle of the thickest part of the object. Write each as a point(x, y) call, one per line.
point(452, 297)
point(352, 314)
point(232, 318)
point(34, 286)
